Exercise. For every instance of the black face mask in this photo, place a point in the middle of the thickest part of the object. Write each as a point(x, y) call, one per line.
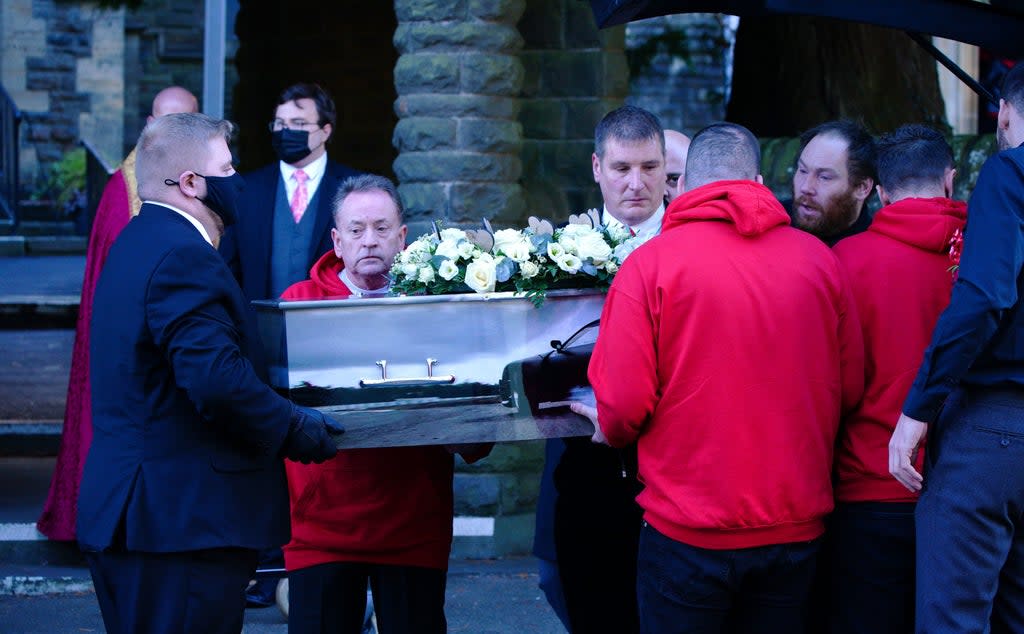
point(222, 194)
point(291, 146)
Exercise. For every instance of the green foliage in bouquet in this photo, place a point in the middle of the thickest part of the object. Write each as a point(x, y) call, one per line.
point(529, 261)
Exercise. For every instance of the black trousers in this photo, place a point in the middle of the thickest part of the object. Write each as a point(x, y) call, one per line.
point(871, 548)
point(172, 593)
point(685, 589)
point(331, 599)
point(970, 528)
point(597, 530)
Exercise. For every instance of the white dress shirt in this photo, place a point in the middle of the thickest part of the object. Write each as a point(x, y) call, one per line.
point(314, 175)
point(646, 229)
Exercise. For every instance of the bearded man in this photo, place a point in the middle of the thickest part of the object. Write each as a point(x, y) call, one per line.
point(834, 176)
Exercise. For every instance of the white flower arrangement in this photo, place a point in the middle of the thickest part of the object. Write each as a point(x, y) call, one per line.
point(531, 261)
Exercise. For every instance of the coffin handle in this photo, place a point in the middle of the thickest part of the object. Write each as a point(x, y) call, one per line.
point(411, 381)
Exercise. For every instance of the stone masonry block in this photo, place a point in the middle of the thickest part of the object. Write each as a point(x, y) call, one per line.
point(426, 105)
point(572, 73)
point(435, 167)
point(419, 134)
point(490, 135)
point(543, 119)
point(422, 199)
point(582, 116)
point(491, 74)
point(546, 199)
point(616, 77)
point(427, 73)
point(477, 493)
point(52, 62)
point(541, 24)
point(501, 202)
point(580, 26)
point(568, 161)
point(507, 11)
point(412, 37)
point(532, 62)
point(432, 10)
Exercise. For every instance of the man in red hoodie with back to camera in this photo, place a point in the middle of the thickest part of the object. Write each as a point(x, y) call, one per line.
point(729, 347)
point(378, 516)
point(899, 270)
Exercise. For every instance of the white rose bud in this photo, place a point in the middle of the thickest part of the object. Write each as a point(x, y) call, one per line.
point(480, 276)
point(448, 270)
point(528, 269)
point(611, 266)
point(426, 274)
point(466, 249)
point(410, 270)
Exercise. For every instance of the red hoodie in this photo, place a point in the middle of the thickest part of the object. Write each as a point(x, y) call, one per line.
point(899, 272)
point(383, 506)
point(729, 346)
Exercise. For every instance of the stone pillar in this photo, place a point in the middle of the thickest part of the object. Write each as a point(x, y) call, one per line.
point(574, 75)
point(458, 135)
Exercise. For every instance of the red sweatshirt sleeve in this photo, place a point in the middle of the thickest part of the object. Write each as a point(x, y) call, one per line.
point(623, 369)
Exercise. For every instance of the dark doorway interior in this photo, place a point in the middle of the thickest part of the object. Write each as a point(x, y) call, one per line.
point(345, 47)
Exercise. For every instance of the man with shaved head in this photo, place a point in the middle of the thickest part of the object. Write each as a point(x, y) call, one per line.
point(119, 204)
point(677, 145)
point(695, 364)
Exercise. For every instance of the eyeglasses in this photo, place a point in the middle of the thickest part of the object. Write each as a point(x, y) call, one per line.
point(294, 124)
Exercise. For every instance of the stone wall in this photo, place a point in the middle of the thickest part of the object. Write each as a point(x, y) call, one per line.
point(680, 67)
point(61, 65)
point(458, 137)
point(574, 74)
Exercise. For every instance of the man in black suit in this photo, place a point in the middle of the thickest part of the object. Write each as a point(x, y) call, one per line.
point(286, 215)
point(184, 481)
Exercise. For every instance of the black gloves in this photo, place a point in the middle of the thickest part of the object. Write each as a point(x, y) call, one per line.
point(310, 438)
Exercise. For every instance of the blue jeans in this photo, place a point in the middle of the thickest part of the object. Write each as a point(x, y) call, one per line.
point(682, 588)
point(871, 548)
point(970, 530)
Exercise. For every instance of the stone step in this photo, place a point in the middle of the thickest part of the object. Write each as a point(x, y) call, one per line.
point(34, 373)
point(19, 245)
point(46, 228)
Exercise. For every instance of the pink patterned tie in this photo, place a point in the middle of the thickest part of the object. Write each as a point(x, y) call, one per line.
point(301, 196)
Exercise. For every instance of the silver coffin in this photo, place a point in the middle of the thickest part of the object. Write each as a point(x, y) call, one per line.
point(422, 370)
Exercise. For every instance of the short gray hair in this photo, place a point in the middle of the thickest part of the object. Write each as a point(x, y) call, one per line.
point(172, 144)
point(367, 183)
point(722, 151)
point(630, 124)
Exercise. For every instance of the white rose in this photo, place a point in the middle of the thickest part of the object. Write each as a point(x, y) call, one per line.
point(503, 237)
point(528, 269)
point(593, 246)
point(611, 266)
point(480, 276)
point(410, 270)
point(426, 274)
point(555, 250)
point(452, 235)
point(569, 263)
point(448, 249)
point(575, 230)
point(466, 249)
point(448, 270)
point(568, 242)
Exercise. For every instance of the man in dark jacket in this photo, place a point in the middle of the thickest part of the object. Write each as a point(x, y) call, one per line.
point(969, 397)
point(184, 480)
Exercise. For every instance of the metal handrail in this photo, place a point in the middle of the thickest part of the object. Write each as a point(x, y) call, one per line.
point(10, 121)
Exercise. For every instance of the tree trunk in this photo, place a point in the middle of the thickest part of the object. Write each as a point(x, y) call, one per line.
point(792, 73)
